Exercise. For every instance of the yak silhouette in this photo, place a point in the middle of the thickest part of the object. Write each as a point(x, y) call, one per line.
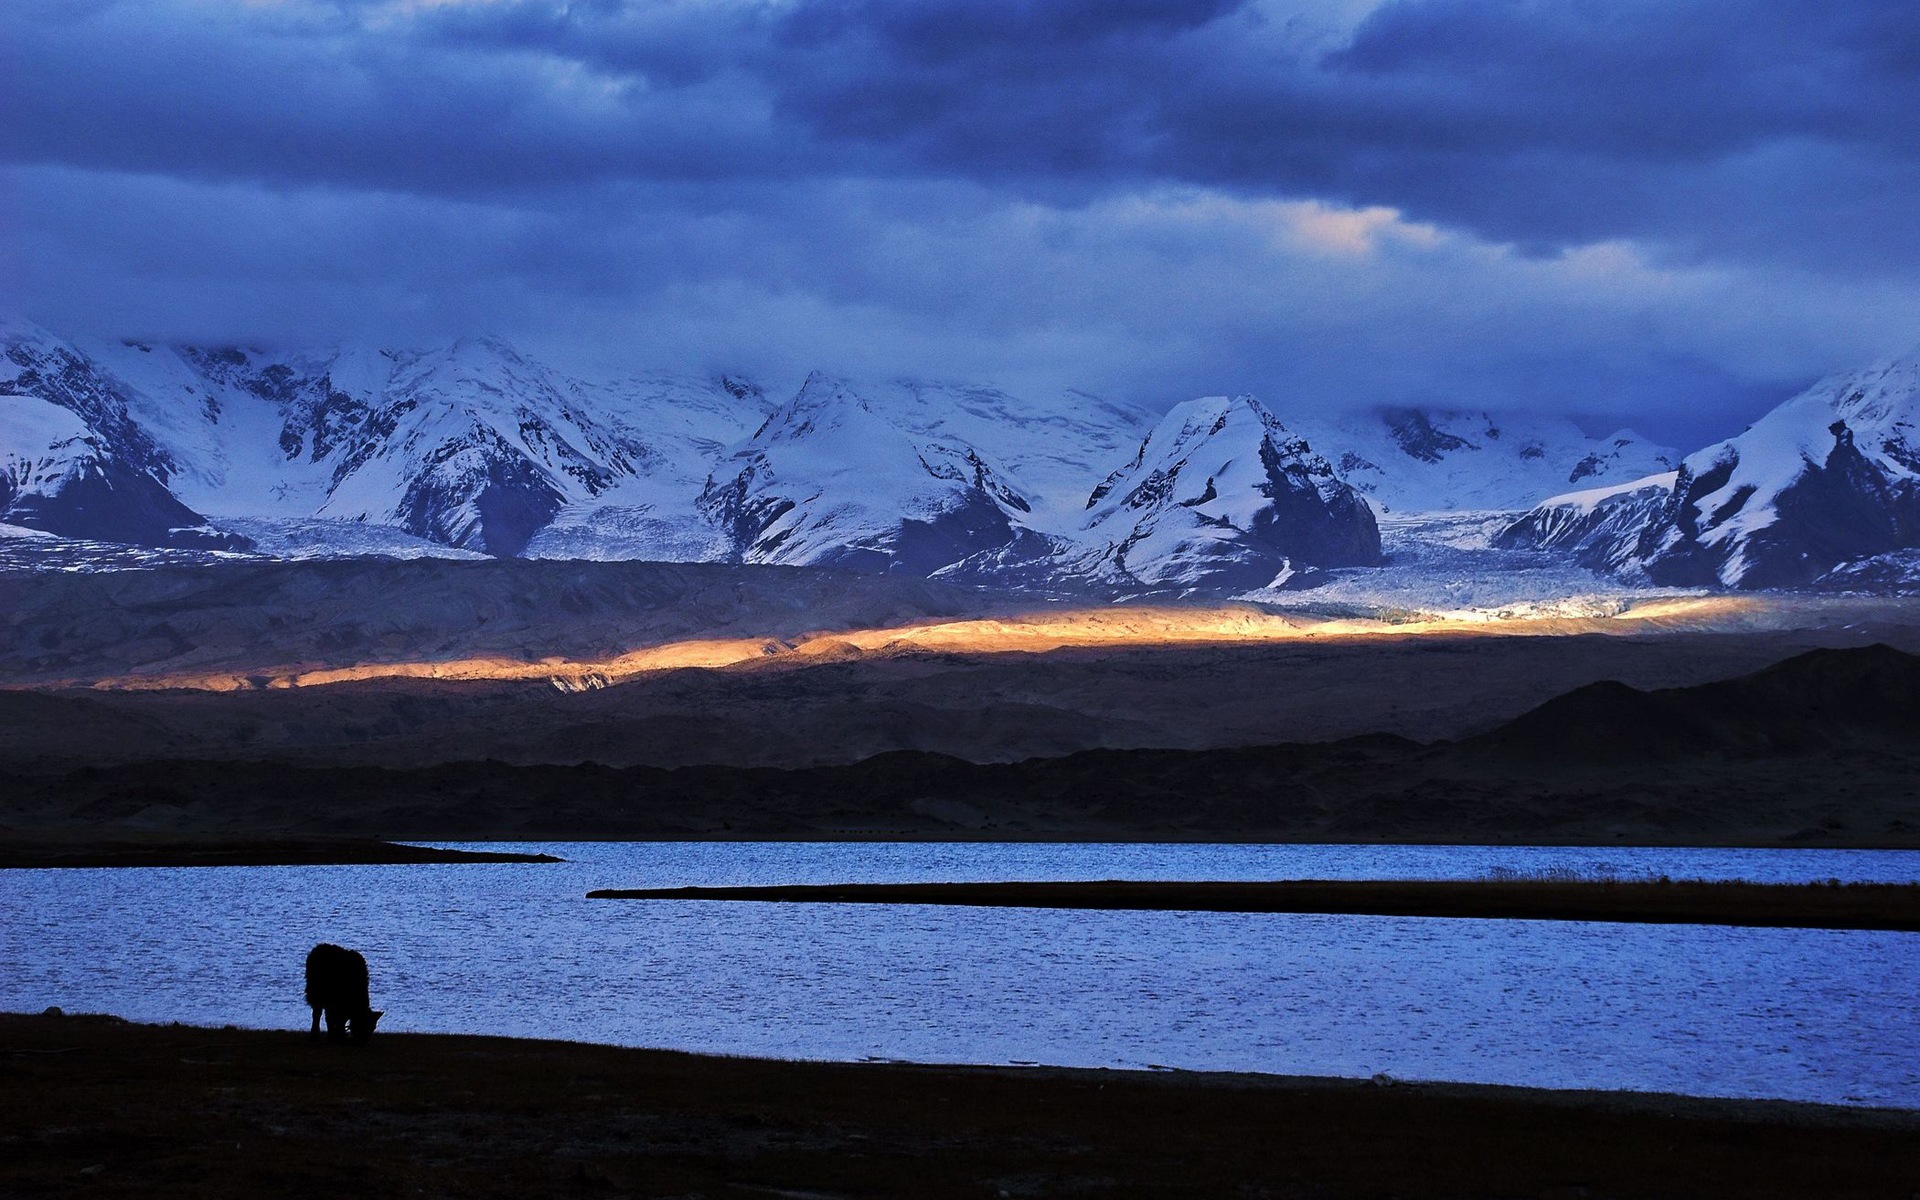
point(337, 987)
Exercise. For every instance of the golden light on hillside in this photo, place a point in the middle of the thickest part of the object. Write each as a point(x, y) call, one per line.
point(1106, 627)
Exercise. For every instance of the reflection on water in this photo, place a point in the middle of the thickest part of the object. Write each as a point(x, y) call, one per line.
point(515, 949)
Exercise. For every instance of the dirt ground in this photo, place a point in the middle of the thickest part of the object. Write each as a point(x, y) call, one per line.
point(97, 1107)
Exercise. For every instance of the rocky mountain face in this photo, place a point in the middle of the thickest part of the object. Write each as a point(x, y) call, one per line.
point(76, 461)
point(472, 447)
point(828, 481)
point(1222, 496)
point(477, 448)
point(58, 476)
point(36, 364)
point(1826, 485)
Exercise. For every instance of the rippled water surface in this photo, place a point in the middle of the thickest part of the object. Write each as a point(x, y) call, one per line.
point(515, 949)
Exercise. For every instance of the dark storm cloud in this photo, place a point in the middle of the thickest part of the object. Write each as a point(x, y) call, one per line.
point(1703, 126)
point(339, 98)
point(1622, 207)
point(1756, 129)
point(1753, 129)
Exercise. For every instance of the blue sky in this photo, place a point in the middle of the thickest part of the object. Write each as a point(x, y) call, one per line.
point(1668, 213)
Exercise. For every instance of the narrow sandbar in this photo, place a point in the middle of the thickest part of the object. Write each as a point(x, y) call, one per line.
point(1811, 906)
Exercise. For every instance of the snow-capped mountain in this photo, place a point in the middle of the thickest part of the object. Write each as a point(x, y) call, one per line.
point(1221, 495)
point(473, 446)
point(58, 476)
point(1411, 460)
point(477, 448)
point(1598, 527)
point(679, 427)
point(1051, 450)
point(828, 481)
point(1830, 477)
point(75, 460)
point(35, 363)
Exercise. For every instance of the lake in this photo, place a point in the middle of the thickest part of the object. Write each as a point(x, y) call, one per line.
point(515, 949)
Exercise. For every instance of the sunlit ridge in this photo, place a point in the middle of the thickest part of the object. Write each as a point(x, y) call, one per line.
point(1108, 627)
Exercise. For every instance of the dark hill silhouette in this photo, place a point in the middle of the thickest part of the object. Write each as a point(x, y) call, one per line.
point(1819, 747)
point(1818, 701)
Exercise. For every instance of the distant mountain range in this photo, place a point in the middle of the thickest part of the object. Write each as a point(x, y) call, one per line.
point(477, 449)
point(1824, 490)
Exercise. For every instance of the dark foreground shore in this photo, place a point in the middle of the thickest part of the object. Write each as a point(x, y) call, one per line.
point(95, 1106)
point(1806, 906)
point(54, 851)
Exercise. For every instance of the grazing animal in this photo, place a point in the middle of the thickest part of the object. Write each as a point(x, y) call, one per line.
point(337, 986)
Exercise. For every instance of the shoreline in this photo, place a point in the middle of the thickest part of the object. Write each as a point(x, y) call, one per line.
point(1894, 907)
point(1107, 837)
point(1670, 1104)
point(22, 842)
point(54, 852)
point(42, 850)
point(255, 1112)
point(46, 850)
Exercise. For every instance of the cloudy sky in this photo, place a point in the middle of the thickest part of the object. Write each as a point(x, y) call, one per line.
point(1668, 212)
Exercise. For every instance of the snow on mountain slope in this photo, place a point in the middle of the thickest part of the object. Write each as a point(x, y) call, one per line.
point(42, 442)
point(59, 476)
point(227, 420)
point(1050, 450)
point(33, 362)
point(679, 427)
point(1222, 495)
point(829, 481)
point(1431, 460)
point(1830, 476)
point(473, 446)
point(476, 448)
point(1600, 527)
point(702, 416)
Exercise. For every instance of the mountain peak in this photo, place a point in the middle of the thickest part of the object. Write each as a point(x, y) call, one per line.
point(1222, 495)
point(483, 347)
point(1828, 477)
point(19, 329)
point(1208, 441)
point(830, 481)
